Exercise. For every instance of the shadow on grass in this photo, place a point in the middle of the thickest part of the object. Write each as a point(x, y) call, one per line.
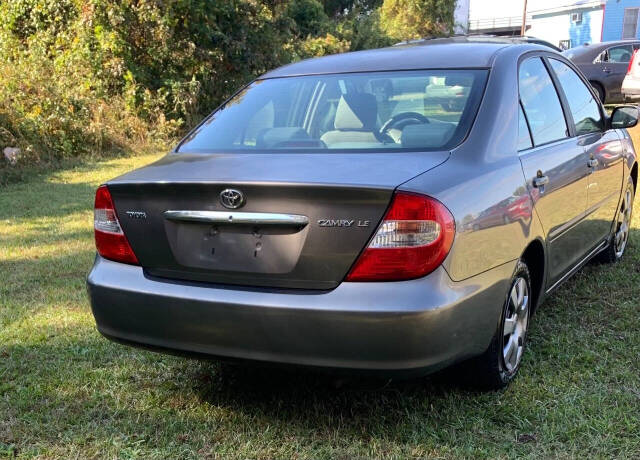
point(304, 395)
point(265, 388)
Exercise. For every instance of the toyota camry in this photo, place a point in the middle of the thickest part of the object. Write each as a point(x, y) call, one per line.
point(393, 210)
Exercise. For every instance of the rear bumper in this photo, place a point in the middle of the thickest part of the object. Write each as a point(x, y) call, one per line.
point(631, 88)
point(421, 324)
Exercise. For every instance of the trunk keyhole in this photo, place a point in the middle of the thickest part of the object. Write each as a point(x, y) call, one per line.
point(258, 248)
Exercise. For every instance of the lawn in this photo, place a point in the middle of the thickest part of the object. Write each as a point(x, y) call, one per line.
point(66, 392)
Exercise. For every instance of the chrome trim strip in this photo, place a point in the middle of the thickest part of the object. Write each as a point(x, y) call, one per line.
point(240, 218)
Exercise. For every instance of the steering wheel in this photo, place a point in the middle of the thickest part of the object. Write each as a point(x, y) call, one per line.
point(400, 120)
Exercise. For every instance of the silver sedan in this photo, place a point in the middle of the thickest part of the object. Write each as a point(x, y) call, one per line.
point(395, 210)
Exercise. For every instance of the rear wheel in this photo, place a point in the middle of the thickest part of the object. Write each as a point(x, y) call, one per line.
point(621, 227)
point(497, 366)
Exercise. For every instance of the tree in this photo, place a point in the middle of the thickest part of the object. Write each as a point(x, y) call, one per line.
point(335, 8)
point(410, 19)
point(308, 17)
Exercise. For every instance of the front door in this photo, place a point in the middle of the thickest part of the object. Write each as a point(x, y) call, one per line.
point(603, 149)
point(555, 168)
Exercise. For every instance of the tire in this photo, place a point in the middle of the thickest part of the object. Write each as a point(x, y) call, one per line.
point(599, 89)
point(498, 366)
point(619, 239)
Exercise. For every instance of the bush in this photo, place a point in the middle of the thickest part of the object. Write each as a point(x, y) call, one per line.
point(93, 77)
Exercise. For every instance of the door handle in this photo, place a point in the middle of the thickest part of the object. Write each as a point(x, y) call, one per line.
point(540, 181)
point(606, 70)
point(592, 163)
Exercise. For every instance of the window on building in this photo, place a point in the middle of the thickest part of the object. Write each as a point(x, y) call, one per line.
point(630, 23)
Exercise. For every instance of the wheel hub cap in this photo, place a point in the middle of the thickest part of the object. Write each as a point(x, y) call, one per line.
point(515, 324)
point(622, 225)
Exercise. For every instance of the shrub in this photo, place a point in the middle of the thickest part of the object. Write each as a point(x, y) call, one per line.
point(93, 77)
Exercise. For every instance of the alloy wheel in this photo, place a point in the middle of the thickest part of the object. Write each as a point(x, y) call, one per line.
point(623, 223)
point(516, 320)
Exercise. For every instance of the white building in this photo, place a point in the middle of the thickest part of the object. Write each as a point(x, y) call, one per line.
point(461, 16)
point(564, 23)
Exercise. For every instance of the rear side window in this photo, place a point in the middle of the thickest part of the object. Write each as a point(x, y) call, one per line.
point(524, 138)
point(619, 54)
point(541, 103)
point(584, 108)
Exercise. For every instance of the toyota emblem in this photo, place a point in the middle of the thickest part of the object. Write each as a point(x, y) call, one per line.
point(231, 198)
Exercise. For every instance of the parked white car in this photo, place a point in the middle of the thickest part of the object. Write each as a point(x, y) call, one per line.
point(631, 82)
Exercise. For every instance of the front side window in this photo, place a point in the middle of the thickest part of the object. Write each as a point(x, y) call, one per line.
point(541, 103)
point(417, 110)
point(584, 108)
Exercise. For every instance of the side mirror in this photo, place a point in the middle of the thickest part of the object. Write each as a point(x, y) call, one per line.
point(625, 116)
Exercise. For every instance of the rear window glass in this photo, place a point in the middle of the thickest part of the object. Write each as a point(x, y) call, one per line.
point(416, 110)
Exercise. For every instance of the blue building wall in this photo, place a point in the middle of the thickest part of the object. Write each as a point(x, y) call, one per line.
point(614, 16)
point(581, 33)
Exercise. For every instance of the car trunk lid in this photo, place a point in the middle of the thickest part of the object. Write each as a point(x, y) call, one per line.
point(303, 220)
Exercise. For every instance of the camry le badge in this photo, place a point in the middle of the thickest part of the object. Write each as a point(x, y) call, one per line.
point(343, 223)
point(231, 198)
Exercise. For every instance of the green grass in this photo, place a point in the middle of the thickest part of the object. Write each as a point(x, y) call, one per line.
point(66, 392)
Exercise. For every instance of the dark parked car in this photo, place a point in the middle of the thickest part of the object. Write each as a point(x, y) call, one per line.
point(315, 219)
point(605, 66)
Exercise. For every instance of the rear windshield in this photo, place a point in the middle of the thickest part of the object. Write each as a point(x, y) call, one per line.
point(416, 110)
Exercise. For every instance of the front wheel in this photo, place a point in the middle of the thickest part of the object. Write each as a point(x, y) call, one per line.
point(498, 366)
point(621, 227)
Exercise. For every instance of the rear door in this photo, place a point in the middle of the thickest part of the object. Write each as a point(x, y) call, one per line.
point(603, 149)
point(555, 167)
point(614, 68)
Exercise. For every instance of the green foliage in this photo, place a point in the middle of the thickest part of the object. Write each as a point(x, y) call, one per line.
point(307, 17)
point(336, 8)
point(407, 19)
point(90, 77)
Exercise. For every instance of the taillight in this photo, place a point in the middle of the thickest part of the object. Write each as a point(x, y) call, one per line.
point(110, 239)
point(413, 239)
point(633, 58)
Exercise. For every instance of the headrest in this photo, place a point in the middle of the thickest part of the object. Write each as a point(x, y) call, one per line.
point(428, 135)
point(269, 137)
point(356, 111)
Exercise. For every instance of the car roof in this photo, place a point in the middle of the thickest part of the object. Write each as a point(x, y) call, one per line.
point(515, 39)
point(442, 53)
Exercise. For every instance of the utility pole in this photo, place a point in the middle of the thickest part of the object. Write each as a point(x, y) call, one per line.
point(524, 19)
